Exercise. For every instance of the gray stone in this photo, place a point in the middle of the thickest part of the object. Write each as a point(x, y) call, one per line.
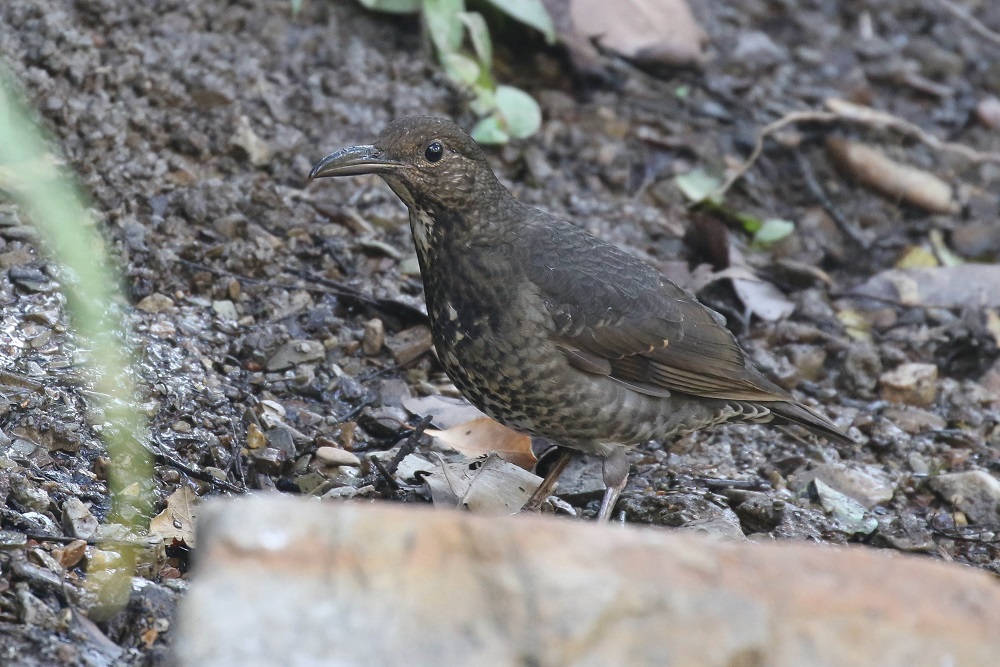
point(975, 493)
point(867, 484)
point(296, 352)
point(78, 520)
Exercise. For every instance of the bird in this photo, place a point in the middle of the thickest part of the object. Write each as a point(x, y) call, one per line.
point(551, 330)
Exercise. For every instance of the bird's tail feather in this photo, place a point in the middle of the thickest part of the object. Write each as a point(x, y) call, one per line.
point(809, 419)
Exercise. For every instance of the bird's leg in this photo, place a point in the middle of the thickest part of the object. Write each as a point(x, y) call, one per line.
point(544, 490)
point(616, 468)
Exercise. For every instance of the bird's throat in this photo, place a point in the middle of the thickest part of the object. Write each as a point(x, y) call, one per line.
point(422, 225)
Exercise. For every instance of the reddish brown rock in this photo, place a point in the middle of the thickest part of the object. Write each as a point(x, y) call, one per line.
point(281, 581)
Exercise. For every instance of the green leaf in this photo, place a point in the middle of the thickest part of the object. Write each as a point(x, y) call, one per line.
point(489, 131)
point(698, 185)
point(771, 231)
point(750, 224)
point(443, 24)
point(485, 102)
point(389, 6)
point(519, 110)
point(296, 7)
point(530, 12)
point(480, 36)
point(460, 68)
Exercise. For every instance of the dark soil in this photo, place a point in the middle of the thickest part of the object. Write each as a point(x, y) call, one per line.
point(191, 127)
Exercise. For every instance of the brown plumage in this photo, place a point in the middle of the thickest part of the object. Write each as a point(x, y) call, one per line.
point(549, 329)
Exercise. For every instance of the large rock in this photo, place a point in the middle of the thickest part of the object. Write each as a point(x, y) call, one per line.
point(285, 582)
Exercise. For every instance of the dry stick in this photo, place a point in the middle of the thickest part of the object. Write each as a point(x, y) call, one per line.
point(758, 147)
point(974, 23)
point(386, 475)
point(845, 227)
point(142, 543)
point(857, 113)
point(318, 284)
point(841, 110)
point(717, 483)
point(409, 444)
point(160, 451)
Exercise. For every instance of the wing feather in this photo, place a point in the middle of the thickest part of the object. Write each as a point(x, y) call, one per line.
point(656, 337)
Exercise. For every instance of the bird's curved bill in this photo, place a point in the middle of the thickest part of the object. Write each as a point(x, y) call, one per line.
point(352, 161)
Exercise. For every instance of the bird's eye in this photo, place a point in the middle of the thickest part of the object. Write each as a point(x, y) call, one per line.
point(434, 151)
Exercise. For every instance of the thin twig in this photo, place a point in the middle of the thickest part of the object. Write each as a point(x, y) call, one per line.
point(191, 471)
point(142, 542)
point(844, 111)
point(758, 148)
point(974, 24)
point(409, 444)
point(857, 113)
point(845, 227)
point(716, 484)
point(386, 475)
point(321, 285)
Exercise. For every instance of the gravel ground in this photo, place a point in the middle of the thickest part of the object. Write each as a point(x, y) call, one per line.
point(191, 126)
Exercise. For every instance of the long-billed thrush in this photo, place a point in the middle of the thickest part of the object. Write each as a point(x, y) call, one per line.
point(549, 329)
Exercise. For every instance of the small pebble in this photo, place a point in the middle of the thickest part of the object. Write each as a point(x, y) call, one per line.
point(374, 337)
point(334, 456)
point(988, 112)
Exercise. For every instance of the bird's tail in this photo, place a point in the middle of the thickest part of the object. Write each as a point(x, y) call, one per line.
point(797, 413)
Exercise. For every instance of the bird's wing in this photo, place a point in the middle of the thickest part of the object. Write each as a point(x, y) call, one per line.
point(616, 316)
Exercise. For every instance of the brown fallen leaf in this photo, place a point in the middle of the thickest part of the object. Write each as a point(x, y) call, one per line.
point(71, 554)
point(482, 436)
point(873, 168)
point(648, 31)
point(175, 524)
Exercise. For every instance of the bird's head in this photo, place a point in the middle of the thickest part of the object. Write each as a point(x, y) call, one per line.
point(430, 163)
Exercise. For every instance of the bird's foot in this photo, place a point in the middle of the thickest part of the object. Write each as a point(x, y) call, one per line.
point(616, 468)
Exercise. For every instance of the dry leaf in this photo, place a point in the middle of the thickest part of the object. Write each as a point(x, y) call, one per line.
point(175, 524)
point(917, 257)
point(444, 411)
point(255, 437)
point(149, 637)
point(71, 554)
point(710, 238)
point(487, 485)
point(649, 31)
point(763, 299)
point(482, 436)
